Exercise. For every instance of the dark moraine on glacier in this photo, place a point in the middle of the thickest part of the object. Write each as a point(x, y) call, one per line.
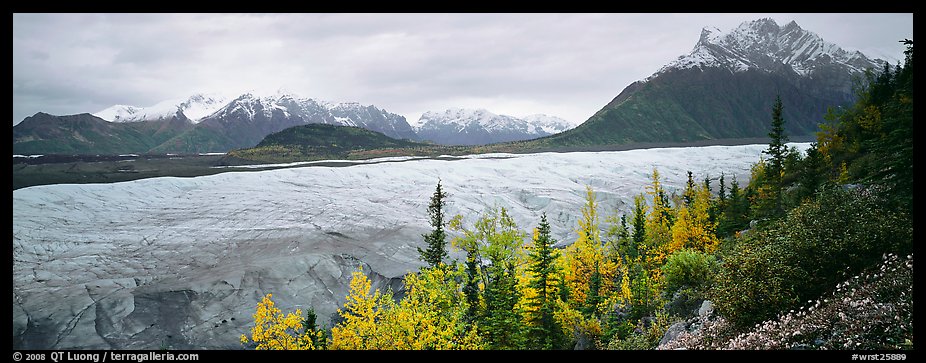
point(182, 262)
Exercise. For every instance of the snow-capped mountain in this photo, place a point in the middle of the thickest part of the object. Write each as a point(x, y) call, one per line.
point(763, 45)
point(725, 86)
point(246, 120)
point(203, 123)
point(303, 110)
point(457, 126)
point(195, 108)
point(549, 124)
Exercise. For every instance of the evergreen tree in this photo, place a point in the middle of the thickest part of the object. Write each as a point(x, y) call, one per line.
point(892, 149)
point(310, 324)
point(713, 205)
point(722, 193)
point(811, 175)
point(776, 151)
point(688, 194)
point(621, 239)
point(594, 292)
point(436, 251)
point(471, 287)
point(639, 222)
point(501, 322)
point(545, 331)
point(735, 214)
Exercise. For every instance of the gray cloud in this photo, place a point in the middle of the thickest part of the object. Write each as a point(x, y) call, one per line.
point(567, 65)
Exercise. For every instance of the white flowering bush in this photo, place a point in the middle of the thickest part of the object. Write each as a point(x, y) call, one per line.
point(802, 256)
point(873, 310)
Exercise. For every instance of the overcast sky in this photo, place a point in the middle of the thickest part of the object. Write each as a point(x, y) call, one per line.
point(567, 65)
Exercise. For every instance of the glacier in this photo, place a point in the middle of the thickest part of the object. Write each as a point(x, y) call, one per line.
point(181, 263)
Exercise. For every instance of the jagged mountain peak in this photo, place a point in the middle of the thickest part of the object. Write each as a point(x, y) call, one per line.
point(709, 34)
point(764, 45)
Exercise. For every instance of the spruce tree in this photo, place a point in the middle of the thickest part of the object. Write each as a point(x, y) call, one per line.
point(688, 195)
point(738, 207)
point(811, 175)
point(501, 321)
point(776, 152)
point(471, 288)
point(436, 252)
point(594, 293)
point(545, 332)
point(639, 223)
point(713, 209)
point(626, 248)
point(722, 193)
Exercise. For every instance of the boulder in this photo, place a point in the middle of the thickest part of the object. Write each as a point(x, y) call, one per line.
point(673, 332)
point(706, 310)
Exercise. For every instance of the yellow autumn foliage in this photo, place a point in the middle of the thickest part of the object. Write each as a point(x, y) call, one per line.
point(586, 256)
point(359, 329)
point(658, 223)
point(692, 228)
point(275, 331)
point(575, 324)
point(431, 316)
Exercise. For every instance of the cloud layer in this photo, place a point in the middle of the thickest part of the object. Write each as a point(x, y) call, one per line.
point(568, 65)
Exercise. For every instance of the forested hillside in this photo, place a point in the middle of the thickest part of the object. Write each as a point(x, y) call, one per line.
point(813, 252)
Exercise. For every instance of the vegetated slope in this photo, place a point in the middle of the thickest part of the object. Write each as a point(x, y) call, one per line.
point(87, 134)
point(314, 141)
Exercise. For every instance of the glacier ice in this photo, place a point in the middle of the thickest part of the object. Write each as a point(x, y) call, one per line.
point(182, 262)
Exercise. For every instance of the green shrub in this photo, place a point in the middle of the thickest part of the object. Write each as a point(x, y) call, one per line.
point(645, 336)
point(805, 254)
point(688, 270)
point(632, 342)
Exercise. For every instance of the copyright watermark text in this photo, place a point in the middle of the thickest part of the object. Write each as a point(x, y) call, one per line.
point(103, 357)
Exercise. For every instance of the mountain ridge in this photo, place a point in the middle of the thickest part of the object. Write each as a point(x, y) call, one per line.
point(195, 107)
point(461, 126)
